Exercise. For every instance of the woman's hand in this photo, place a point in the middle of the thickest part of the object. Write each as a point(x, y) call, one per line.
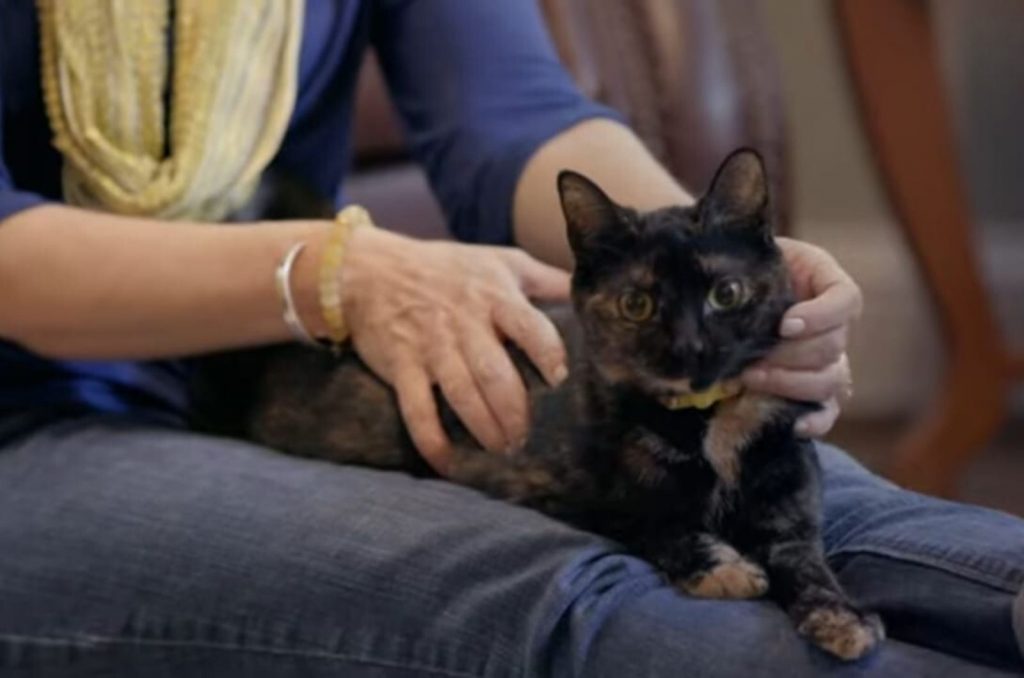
point(424, 313)
point(810, 363)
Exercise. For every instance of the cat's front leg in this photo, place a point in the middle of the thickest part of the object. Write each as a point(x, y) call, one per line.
point(806, 588)
point(700, 564)
point(780, 528)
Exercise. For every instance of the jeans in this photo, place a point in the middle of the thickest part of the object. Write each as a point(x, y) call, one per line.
point(132, 550)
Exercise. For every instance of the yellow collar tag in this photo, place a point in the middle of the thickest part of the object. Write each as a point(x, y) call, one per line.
point(702, 400)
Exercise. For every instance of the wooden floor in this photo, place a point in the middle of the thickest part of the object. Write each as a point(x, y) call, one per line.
point(996, 480)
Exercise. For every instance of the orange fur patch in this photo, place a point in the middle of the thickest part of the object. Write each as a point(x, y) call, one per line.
point(734, 425)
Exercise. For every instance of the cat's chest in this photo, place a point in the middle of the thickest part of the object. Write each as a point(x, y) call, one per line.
point(683, 467)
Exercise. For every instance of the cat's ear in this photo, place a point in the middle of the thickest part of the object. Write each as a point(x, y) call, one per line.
point(589, 212)
point(738, 193)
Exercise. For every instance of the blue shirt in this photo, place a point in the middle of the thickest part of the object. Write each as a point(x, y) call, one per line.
point(477, 83)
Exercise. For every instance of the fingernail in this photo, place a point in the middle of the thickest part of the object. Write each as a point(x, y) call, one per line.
point(791, 327)
point(803, 429)
point(559, 374)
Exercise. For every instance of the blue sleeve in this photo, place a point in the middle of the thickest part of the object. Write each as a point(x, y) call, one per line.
point(480, 88)
point(11, 199)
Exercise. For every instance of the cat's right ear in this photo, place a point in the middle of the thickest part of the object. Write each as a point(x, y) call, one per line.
point(589, 212)
point(739, 194)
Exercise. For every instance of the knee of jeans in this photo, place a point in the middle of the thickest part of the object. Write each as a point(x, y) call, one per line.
point(623, 619)
point(579, 601)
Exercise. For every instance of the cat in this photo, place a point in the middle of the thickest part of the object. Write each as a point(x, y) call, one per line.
point(721, 496)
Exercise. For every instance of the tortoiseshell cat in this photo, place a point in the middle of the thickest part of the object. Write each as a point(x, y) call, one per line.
point(725, 500)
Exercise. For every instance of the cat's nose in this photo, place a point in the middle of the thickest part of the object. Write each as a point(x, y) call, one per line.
point(695, 360)
point(685, 361)
point(689, 350)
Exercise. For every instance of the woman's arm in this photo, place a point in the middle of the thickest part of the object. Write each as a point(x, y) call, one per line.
point(76, 284)
point(607, 152)
point(79, 284)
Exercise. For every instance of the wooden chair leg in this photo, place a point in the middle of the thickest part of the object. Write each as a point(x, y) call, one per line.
point(1017, 366)
point(891, 56)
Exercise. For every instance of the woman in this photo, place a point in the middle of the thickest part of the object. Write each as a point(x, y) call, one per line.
point(133, 546)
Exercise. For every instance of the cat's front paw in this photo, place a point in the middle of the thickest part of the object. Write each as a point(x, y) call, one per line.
point(736, 579)
point(843, 631)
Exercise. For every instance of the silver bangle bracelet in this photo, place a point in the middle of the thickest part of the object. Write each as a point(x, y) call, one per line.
point(283, 278)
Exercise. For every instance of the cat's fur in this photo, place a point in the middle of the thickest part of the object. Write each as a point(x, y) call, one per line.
point(725, 501)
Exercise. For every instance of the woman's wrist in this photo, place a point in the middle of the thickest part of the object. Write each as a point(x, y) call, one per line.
point(279, 239)
point(310, 267)
point(305, 280)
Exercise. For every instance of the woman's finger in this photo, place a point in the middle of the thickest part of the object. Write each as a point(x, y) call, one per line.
point(808, 353)
point(537, 280)
point(419, 412)
point(833, 306)
point(832, 297)
point(499, 381)
point(460, 390)
point(813, 386)
point(533, 332)
point(817, 424)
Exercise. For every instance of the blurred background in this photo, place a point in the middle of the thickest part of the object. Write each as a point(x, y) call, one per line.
point(893, 134)
point(841, 203)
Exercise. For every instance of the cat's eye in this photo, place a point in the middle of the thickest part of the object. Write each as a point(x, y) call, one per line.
point(636, 306)
point(727, 294)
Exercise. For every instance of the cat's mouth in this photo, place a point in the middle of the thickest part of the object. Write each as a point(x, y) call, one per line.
point(701, 400)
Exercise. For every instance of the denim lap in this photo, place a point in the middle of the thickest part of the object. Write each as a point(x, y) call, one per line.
point(944, 574)
point(156, 552)
point(864, 513)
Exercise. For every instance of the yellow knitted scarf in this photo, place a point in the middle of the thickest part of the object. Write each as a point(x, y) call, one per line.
point(231, 93)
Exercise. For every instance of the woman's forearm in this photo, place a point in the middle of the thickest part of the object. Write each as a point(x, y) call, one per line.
point(603, 150)
point(76, 284)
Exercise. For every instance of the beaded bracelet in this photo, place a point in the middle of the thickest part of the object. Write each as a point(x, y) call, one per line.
point(348, 219)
